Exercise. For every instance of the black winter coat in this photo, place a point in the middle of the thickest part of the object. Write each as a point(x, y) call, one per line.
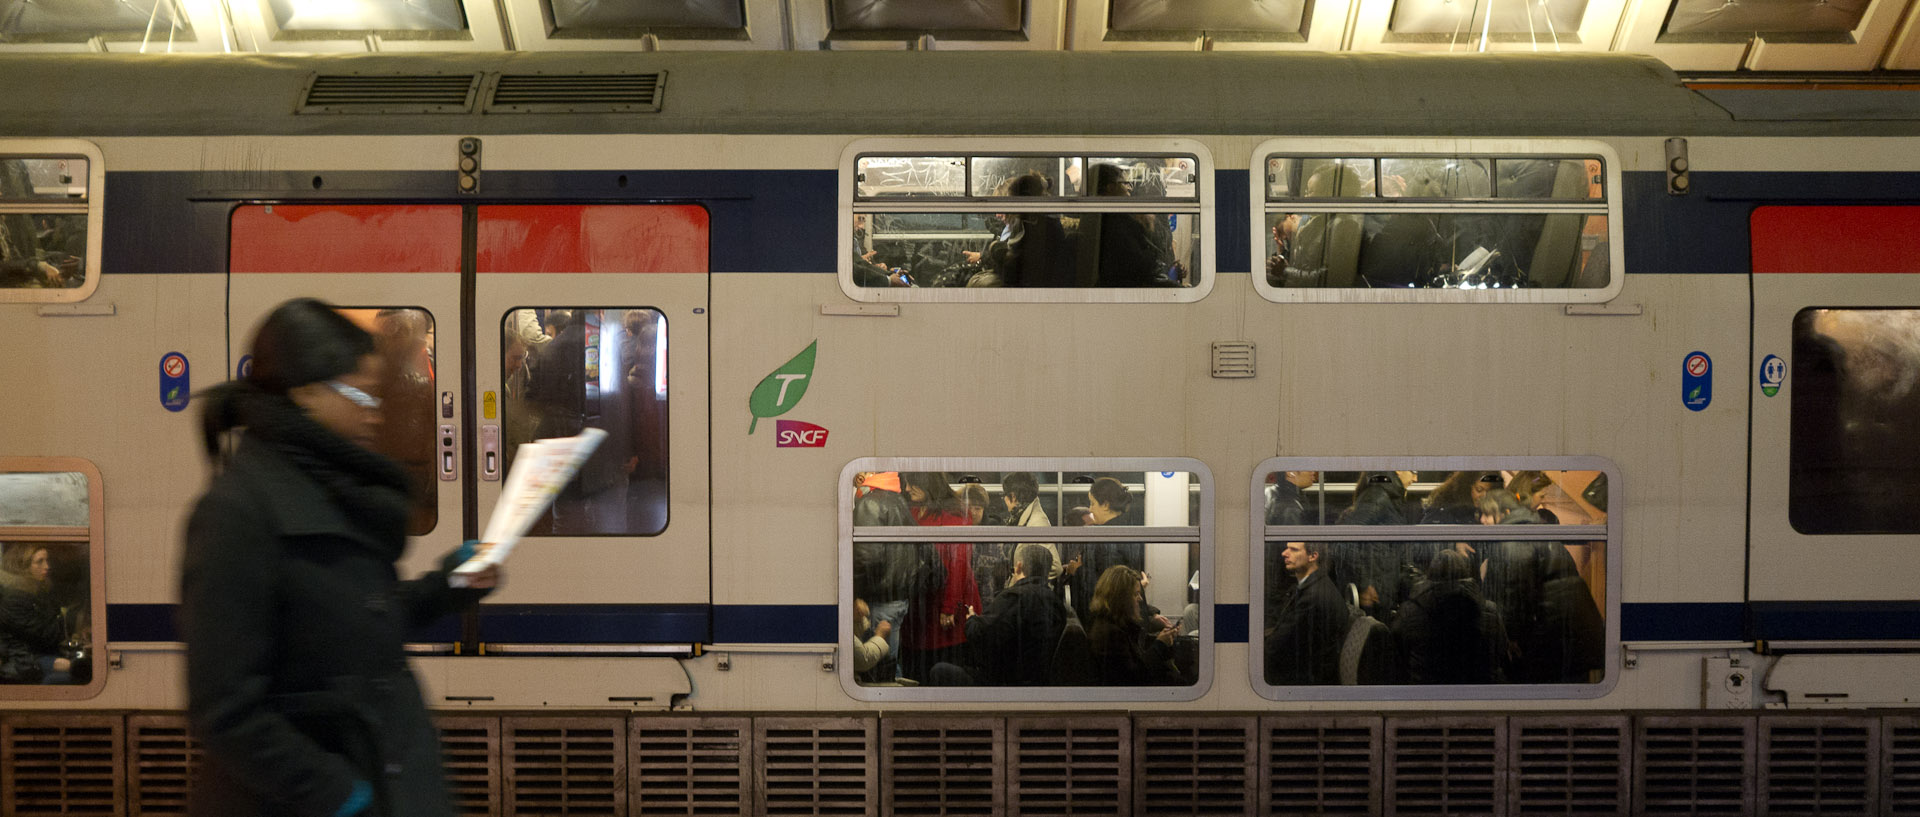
point(1013, 642)
point(294, 619)
point(30, 627)
point(1308, 633)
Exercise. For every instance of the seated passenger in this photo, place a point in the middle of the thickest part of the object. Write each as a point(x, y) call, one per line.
point(1447, 630)
point(33, 633)
point(1311, 626)
point(1033, 250)
point(1123, 654)
point(1126, 254)
point(1012, 643)
point(869, 641)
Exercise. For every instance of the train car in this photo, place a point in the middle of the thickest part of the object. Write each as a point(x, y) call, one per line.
point(1205, 317)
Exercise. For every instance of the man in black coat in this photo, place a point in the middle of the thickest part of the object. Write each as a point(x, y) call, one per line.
point(1304, 647)
point(1014, 640)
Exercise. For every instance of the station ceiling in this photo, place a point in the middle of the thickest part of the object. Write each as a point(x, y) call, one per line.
point(1836, 39)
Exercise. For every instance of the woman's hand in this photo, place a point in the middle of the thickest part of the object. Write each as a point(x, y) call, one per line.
point(486, 578)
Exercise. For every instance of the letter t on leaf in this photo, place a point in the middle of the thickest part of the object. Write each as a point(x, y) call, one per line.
point(780, 391)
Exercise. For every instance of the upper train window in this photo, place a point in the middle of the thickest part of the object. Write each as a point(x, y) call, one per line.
point(1000, 221)
point(52, 579)
point(50, 206)
point(1489, 221)
point(1378, 578)
point(1081, 580)
point(1855, 459)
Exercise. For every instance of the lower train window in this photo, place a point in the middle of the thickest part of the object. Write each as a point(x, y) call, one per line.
point(1408, 578)
point(1855, 459)
point(52, 579)
point(404, 341)
point(566, 369)
point(1057, 580)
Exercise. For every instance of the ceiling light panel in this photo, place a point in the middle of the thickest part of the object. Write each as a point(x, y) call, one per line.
point(1213, 17)
point(950, 16)
point(79, 20)
point(1723, 20)
point(369, 15)
point(1523, 18)
point(580, 17)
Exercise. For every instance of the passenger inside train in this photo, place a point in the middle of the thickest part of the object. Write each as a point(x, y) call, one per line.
point(43, 610)
point(1056, 226)
point(1087, 612)
point(1493, 607)
point(41, 250)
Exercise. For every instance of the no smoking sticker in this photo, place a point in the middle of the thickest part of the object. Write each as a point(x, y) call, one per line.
point(175, 385)
point(1696, 381)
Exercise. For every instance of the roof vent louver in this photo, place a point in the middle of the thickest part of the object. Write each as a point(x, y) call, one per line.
point(577, 93)
point(405, 93)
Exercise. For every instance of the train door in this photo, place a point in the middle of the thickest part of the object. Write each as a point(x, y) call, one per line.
point(1836, 448)
point(574, 317)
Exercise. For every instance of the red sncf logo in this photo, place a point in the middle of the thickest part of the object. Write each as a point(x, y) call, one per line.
point(796, 434)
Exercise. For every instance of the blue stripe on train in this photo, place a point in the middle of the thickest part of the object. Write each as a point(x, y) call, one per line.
point(816, 623)
point(785, 220)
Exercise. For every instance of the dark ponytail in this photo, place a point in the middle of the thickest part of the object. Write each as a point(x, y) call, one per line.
point(303, 341)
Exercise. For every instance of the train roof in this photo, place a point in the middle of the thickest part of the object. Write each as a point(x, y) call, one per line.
point(900, 93)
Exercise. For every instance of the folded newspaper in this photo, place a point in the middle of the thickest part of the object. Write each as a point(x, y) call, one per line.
point(540, 469)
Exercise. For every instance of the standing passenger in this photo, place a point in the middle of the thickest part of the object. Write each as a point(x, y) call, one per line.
point(938, 617)
point(294, 618)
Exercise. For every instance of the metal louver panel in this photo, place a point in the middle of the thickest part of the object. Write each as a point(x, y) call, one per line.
point(407, 93)
point(576, 93)
point(815, 766)
point(1186, 765)
point(1900, 765)
point(1693, 764)
point(684, 765)
point(942, 766)
point(564, 766)
point(470, 751)
point(61, 764)
point(1822, 764)
point(1070, 765)
point(1446, 765)
point(162, 760)
point(1320, 765)
point(1568, 765)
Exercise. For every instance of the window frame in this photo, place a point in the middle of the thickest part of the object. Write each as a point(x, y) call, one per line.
point(94, 536)
point(94, 209)
point(1261, 533)
point(1201, 532)
point(847, 203)
point(1609, 206)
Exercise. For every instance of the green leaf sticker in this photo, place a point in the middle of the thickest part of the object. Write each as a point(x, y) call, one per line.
point(782, 390)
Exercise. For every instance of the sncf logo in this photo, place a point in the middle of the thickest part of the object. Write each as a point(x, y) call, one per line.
point(796, 434)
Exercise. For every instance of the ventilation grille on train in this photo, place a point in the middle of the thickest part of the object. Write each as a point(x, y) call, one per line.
point(1900, 765)
point(470, 749)
point(1818, 765)
point(1694, 764)
point(62, 764)
point(162, 763)
point(576, 93)
point(399, 93)
point(816, 766)
point(1569, 766)
point(1446, 765)
point(942, 766)
point(1317, 765)
point(1070, 766)
point(1195, 766)
point(690, 765)
point(570, 766)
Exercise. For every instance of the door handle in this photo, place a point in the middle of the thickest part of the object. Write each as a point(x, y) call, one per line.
point(490, 453)
point(448, 462)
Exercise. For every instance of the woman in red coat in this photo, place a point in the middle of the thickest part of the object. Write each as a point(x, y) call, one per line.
point(936, 621)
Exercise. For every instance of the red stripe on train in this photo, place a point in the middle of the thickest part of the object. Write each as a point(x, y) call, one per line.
point(1836, 239)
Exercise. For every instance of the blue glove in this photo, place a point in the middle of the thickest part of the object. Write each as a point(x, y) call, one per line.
point(466, 551)
point(357, 801)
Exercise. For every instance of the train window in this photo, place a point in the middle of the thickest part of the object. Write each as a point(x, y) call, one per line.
point(52, 609)
point(1401, 581)
point(404, 340)
point(49, 217)
point(1502, 225)
point(1114, 604)
point(566, 369)
point(1855, 456)
point(1069, 225)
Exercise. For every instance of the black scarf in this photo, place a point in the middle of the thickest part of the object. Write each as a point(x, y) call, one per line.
point(371, 488)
